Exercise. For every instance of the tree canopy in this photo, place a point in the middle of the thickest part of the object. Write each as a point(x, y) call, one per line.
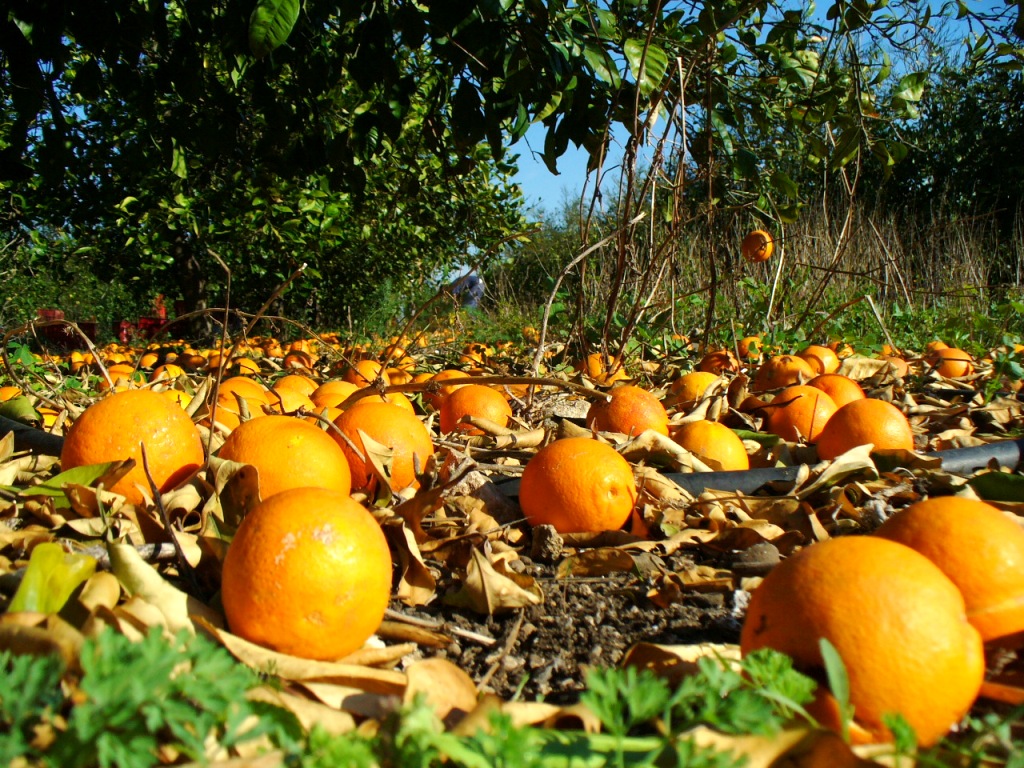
point(371, 139)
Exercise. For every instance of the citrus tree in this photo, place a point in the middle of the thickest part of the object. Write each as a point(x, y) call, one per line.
point(367, 139)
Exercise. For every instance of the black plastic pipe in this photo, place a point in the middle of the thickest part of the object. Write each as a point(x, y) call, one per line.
point(959, 461)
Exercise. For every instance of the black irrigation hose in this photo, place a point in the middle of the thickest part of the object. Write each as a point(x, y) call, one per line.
point(28, 438)
point(959, 461)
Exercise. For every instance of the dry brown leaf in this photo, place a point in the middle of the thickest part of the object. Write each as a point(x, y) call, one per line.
point(354, 701)
point(445, 687)
point(287, 667)
point(309, 713)
point(596, 562)
point(416, 583)
point(487, 591)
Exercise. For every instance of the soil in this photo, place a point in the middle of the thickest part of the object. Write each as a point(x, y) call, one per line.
point(542, 652)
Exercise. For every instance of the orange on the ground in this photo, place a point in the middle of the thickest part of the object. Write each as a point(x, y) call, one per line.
point(865, 421)
point(395, 428)
point(800, 411)
point(628, 409)
point(978, 547)
point(714, 444)
point(308, 574)
point(473, 400)
point(898, 623)
point(578, 484)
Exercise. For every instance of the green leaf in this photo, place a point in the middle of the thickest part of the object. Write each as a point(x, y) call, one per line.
point(648, 63)
point(911, 87)
point(603, 65)
point(52, 575)
point(85, 475)
point(998, 486)
point(785, 185)
point(179, 163)
point(838, 683)
point(270, 25)
point(20, 409)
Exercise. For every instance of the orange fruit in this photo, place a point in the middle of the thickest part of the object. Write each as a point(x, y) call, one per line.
point(978, 547)
point(9, 393)
point(308, 574)
point(897, 621)
point(288, 400)
point(689, 388)
point(717, 361)
point(799, 412)
point(366, 372)
point(601, 371)
point(434, 397)
point(395, 398)
point(114, 428)
point(714, 444)
point(781, 371)
point(473, 400)
point(865, 421)
point(842, 389)
point(394, 427)
point(250, 389)
point(822, 359)
point(577, 484)
point(757, 246)
point(244, 366)
point(628, 409)
point(298, 382)
point(749, 347)
point(398, 375)
point(899, 366)
point(935, 346)
point(333, 392)
point(952, 363)
point(288, 453)
point(166, 371)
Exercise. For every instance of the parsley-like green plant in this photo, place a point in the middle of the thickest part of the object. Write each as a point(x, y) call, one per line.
point(30, 693)
point(137, 697)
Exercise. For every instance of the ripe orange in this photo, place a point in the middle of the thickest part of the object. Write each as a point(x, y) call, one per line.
point(333, 392)
point(781, 371)
point(394, 398)
point(434, 398)
point(749, 347)
point(473, 400)
point(9, 393)
point(628, 409)
point(297, 381)
point(601, 371)
point(166, 371)
point(289, 400)
point(718, 361)
point(822, 359)
point(898, 623)
point(842, 389)
point(865, 421)
point(900, 367)
point(757, 246)
point(798, 412)
point(952, 363)
point(244, 366)
point(935, 345)
point(288, 453)
point(392, 426)
point(113, 429)
point(714, 444)
point(978, 547)
point(690, 388)
point(308, 574)
point(250, 389)
point(577, 485)
point(366, 372)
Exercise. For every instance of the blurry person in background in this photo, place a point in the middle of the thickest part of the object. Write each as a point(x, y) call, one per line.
point(469, 289)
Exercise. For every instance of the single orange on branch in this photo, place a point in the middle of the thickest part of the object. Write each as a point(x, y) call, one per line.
point(115, 428)
point(898, 622)
point(578, 485)
point(758, 246)
point(308, 574)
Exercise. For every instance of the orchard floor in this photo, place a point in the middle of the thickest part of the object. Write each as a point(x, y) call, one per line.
point(542, 652)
